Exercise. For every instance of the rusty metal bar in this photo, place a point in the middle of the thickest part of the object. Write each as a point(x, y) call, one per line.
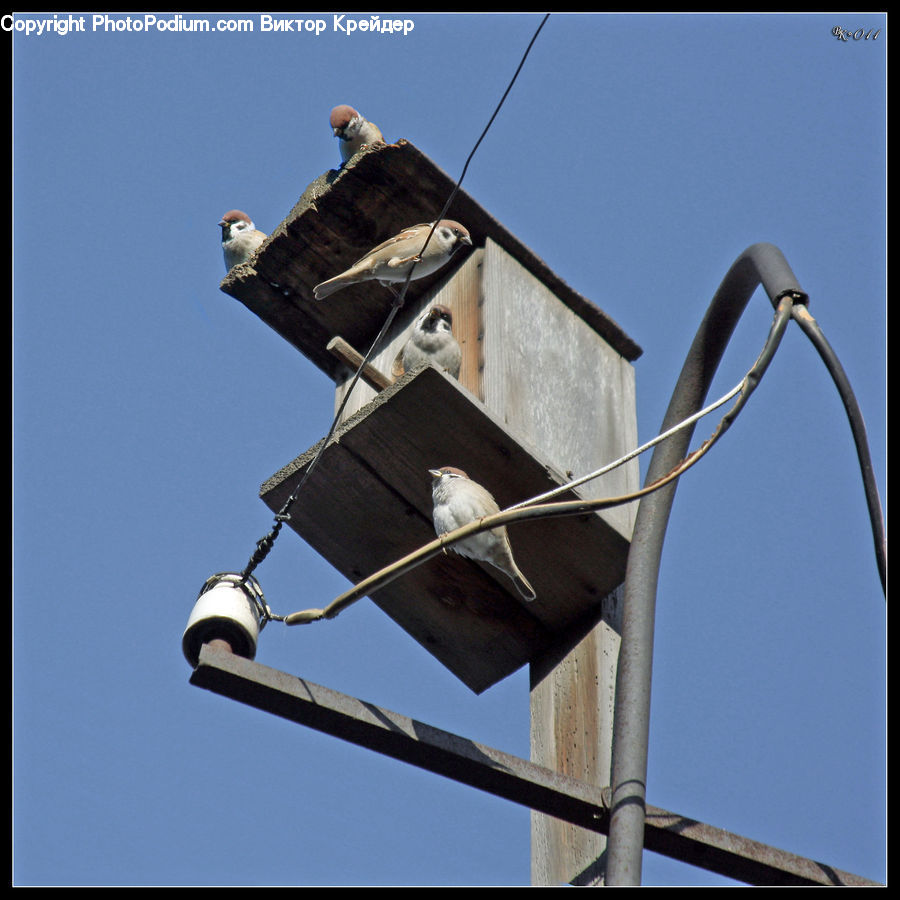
point(498, 773)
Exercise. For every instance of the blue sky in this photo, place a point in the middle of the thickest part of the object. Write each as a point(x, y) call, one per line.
point(638, 155)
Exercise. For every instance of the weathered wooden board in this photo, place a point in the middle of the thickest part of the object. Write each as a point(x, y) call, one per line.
point(368, 503)
point(555, 382)
point(340, 217)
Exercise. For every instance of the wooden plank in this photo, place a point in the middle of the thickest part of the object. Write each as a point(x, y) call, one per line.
point(368, 502)
point(556, 383)
point(359, 524)
point(353, 359)
point(341, 216)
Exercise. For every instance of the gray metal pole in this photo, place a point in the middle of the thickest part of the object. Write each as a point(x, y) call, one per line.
point(760, 263)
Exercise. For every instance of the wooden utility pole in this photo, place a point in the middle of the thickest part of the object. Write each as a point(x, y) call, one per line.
point(572, 700)
point(546, 393)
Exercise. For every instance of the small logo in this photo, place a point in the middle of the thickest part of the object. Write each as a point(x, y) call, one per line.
point(842, 34)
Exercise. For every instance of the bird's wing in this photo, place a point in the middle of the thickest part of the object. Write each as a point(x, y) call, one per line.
point(396, 261)
point(405, 235)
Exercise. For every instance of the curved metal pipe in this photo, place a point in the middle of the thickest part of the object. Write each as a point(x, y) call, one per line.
point(759, 264)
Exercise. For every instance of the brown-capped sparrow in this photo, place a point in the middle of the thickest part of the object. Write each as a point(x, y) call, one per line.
point(391, 261)
point(354, 130)
point(458, 501)
point(240, 237)
point(431, 342)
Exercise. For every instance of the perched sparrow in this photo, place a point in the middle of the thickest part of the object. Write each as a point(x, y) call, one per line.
point(240, 239)
point(353, 130)
point(458, 501)
point(431, 342)
point(392, 260)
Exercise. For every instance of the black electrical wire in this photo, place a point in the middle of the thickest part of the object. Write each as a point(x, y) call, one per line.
point(761, 264)
point(813, 331)
point(265, 544)
point(566, 507)
point(494, 116)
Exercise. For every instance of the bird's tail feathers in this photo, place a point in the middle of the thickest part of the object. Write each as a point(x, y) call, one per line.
point(327, 288)
point(523, 586)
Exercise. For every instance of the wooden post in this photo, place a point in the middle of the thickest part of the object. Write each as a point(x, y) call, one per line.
point(560, 387)
point(546, 393)
point(568, 392)
point(572, 700)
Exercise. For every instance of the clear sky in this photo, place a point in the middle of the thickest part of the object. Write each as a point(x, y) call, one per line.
point(638, 155)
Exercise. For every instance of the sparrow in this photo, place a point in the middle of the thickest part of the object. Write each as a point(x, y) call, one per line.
point(353, 130)
point(432, 342)
point(391, 261)
point(458, 501)
point(240, 238)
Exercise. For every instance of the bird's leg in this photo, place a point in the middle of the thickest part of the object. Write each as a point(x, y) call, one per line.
point(398, 300)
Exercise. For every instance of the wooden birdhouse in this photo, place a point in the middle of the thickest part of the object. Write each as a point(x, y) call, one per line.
point(545, 393)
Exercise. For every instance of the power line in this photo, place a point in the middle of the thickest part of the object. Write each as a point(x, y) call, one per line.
point(525, 511)
point(265, 544)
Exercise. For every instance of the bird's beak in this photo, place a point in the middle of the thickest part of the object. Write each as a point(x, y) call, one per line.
point(434, 473)
point(466, 239)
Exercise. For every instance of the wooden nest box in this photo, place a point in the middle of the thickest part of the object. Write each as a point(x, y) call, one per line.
point(546, 393)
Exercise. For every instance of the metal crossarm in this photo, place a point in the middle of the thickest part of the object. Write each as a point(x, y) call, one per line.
point(498, 773)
